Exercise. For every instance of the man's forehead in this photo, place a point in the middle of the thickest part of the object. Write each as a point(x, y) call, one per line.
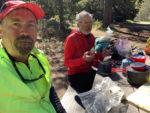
point(86, 17)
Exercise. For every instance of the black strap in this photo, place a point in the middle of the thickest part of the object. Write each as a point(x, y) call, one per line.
point(55, 101)
point(20, 75)
point(87, 36)
point(88, 44)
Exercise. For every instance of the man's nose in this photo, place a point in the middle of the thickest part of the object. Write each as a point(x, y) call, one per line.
point(24, 30)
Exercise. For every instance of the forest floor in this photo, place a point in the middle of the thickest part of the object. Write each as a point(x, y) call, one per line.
point(54, 49)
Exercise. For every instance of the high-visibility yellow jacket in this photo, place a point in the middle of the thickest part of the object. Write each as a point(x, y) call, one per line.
point(147, 48)
point(19, 97)
point(148, 42)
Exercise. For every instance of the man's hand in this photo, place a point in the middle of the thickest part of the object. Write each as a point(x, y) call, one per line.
point(88, 57)
point(105, 52)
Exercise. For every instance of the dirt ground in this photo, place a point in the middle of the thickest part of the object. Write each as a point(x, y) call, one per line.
point(54, 49)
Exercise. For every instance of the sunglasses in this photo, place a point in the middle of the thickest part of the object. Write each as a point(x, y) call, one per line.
point(28, 80)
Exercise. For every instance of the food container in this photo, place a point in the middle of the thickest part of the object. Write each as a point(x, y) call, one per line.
point(138, 58)
point(138, 66)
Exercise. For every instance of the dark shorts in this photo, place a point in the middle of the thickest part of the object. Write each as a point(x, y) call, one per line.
point(82, 82)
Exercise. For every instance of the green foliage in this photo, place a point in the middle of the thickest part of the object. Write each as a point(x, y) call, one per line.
point(97, 23)
point(144, 13)
point(63, 12)
point(126, 8)
point(2, 1)
point(95, 7)
point(47, 5)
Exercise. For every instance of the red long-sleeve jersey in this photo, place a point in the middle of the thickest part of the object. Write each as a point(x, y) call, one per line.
point(76, 44)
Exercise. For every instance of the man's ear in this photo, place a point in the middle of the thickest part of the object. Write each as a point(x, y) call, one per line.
point(0, 31)
point(78, 24)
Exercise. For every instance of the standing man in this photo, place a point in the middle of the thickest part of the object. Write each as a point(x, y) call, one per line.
point(25, 75)
point(79, 56)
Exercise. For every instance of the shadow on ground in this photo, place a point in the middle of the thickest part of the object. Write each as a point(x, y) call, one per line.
point(54, 49)
point(132, 31)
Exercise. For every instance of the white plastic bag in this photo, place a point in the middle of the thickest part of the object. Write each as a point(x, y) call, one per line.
point(103, 97)
point(107, 37)
point(123, 47)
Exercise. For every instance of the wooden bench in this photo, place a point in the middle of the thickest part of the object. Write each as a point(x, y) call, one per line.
point(69, 103)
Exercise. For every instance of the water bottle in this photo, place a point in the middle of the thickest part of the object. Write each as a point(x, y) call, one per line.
point(126, 62)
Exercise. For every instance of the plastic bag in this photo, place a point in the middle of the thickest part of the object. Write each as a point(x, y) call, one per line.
point(102, 97)
point(103, 41)
point(123, 47)
point(107, 37)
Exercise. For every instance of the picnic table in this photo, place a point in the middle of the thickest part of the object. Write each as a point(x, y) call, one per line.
point(72, 106)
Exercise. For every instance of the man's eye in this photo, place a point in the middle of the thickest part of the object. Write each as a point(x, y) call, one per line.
point(16, 24)
point(31, 25)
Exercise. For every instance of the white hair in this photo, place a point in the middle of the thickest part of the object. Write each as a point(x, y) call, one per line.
point(82, 14)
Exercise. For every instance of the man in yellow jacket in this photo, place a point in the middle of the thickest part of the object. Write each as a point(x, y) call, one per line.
point(25, 85)
point(147, 48)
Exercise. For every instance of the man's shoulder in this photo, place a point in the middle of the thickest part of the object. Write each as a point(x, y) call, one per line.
point(73, 34)
point(35, 50)
point(91, 35)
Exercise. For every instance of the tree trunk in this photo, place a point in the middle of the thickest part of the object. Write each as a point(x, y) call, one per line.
point(62, 26)
point(107, 14)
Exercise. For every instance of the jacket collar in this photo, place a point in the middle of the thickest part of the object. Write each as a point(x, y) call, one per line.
point(77, 32)
point(3, 53)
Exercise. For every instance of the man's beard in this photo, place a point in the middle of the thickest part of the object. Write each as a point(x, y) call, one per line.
point(24, 45)
point(88, 30)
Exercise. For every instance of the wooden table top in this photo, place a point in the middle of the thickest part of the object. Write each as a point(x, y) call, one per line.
point(71, 106)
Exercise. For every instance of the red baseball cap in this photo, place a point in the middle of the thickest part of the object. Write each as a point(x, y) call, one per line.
point(9, 6)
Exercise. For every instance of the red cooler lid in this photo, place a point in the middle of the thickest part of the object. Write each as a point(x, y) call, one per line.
point(138, 66)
